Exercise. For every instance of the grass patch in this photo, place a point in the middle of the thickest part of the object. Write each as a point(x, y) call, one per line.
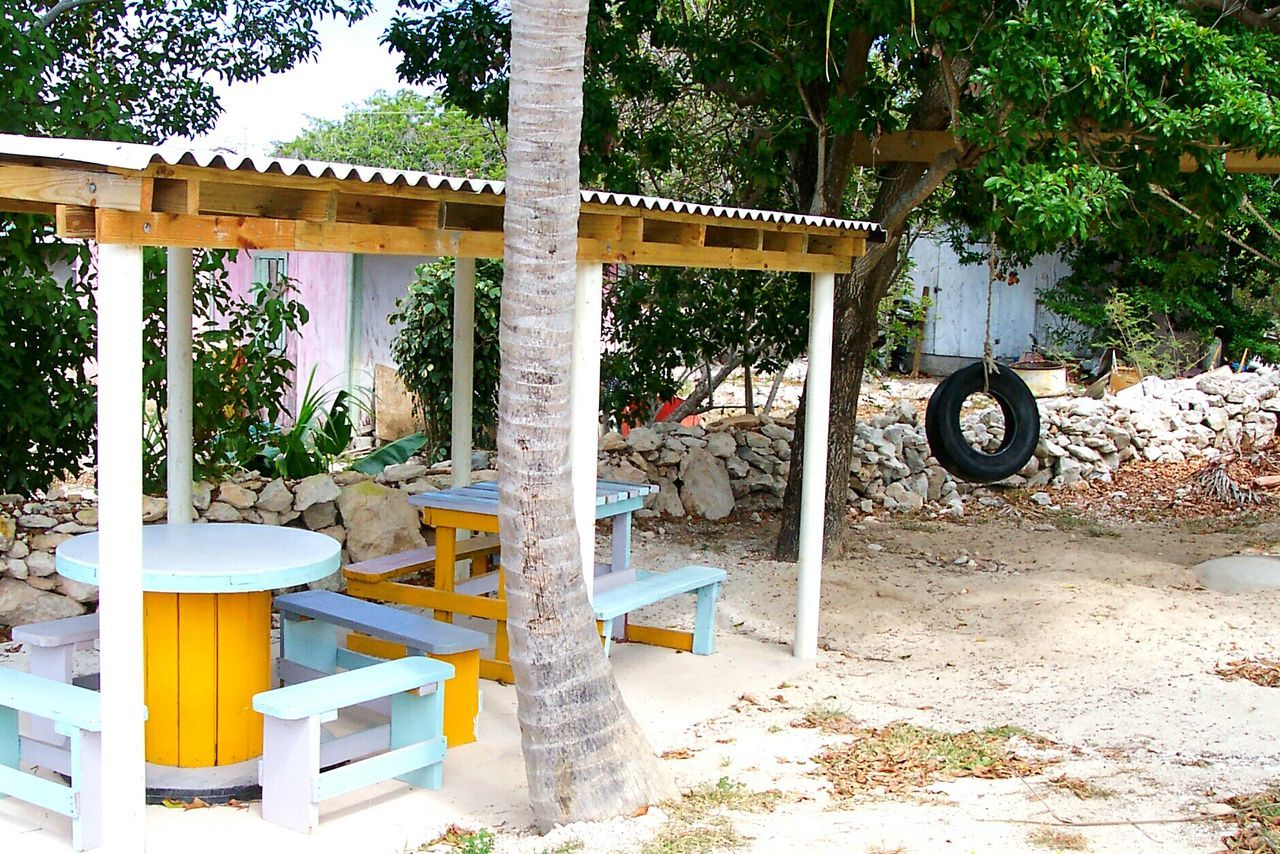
point(1058, 840)
point(901, 757)
point(1259, 671)
point(828, 719)
point(699, 821)
point(1082, 789)
point(1072, 522)
point(1257, 820)
point(463, 840)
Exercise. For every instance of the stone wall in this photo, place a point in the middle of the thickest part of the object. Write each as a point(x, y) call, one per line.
point(740, 464)
point(369, 516)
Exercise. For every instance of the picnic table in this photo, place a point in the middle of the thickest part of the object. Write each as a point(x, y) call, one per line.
point(482, 595)
point(207, 639)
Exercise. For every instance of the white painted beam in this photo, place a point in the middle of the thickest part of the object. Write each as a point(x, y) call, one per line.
point(120, 544)
point(584, 397)
point(178, 439)
point(464, 358)
point(813, 494)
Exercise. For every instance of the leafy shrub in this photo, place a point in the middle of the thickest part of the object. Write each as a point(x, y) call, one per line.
point(423, 350)
point(318, 436)
point(240, 374)
point(46, 337)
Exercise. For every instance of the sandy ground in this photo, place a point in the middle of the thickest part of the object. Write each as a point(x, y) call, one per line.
point(1089, 635)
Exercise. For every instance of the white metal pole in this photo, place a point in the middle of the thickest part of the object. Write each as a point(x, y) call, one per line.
point(120, 545)
point(464, 357)
point(179, 450)
point(584, 396)
point(813, 494)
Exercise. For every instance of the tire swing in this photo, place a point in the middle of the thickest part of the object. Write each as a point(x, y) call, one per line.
point(1017, 404)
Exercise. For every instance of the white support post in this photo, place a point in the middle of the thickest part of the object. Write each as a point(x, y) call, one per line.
point(178, 439)
point(464, 357)
point(584, 396)
point(817, 411)
point(463, 391)
point(120, 544)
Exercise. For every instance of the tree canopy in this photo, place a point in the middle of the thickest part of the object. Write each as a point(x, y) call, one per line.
point(405, 130)
point(130, 70)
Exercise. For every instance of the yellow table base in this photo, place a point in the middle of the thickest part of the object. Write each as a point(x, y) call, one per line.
point(206, 655)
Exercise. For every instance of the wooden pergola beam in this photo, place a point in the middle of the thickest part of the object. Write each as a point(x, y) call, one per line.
point(924, 146)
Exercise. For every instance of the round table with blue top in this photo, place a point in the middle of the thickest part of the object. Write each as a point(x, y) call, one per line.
point(207, 638)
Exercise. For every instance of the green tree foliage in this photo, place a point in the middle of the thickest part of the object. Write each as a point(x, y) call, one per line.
point(405, 130)
point(1063, 113)
point(129, 70)
point(423, 350)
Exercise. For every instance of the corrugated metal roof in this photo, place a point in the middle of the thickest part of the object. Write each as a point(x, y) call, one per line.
point(131, 156)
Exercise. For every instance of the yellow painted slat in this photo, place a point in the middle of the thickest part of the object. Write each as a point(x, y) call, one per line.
point(243, 656)
point(160, 645)
point(654, 636)
point(197, 679)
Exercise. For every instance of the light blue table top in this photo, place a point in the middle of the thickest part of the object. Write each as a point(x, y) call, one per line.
point(214, 558)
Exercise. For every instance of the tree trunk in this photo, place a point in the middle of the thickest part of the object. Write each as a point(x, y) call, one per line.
point(585, 756)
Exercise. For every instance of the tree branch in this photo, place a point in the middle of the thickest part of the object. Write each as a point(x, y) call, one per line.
point(704, 389)
point(1238, 11)
point(59, 8)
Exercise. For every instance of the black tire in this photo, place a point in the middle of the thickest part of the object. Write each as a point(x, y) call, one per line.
point(1021, 425)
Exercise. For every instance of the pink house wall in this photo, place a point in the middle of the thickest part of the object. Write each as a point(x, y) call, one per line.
point(323, 282)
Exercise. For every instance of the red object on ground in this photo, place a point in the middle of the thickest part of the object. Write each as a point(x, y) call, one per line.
point(666, 409)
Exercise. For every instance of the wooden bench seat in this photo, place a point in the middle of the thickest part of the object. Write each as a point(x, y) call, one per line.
point(414, 561)
point(309, 646)
point(51, 647)
point(76, 714)
point(651, 587)
point(293, 784)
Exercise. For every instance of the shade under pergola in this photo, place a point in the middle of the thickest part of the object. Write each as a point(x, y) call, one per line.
point(126, 197)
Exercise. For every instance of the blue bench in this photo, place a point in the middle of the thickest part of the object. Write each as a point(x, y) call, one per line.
point(293, 784)
point(76, 714)
point(309, 647)
point(650, 587)
point(51, 648)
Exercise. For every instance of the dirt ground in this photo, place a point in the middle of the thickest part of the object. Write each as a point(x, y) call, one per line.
point(1088, 634)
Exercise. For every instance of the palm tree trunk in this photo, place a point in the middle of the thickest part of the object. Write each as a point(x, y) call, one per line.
point(585, 756)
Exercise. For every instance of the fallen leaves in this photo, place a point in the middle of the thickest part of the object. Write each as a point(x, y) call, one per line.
point(1257, 819)
point(900, 757)
point(1259, 671)
point(1082, 789)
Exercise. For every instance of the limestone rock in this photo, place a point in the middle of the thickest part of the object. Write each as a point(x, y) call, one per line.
point(378, 521)
point(8, 531)
point(201, 494)
point(402, 471)
point(237, 496)
point(320, 515)
point(275, 497)
point(41, 564)
point(313, 490)
point(36, 520)
point(705, 489)
point(721, 444)
point(613, 441)
point(21, 603)
point(221, 512)
point(667, 501)
point(77, 590)
point(154, 509)
point(643, 439)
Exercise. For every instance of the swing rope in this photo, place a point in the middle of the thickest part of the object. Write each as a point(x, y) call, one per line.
point(989, 365)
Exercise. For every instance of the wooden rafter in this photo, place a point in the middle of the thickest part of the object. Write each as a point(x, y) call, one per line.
point(220, 208)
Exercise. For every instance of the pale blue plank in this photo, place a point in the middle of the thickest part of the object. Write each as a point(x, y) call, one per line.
point(46, 698)
point(651, 587)
point(34, 790)
point(351, 688)
point(375, 769)
point(396, 625)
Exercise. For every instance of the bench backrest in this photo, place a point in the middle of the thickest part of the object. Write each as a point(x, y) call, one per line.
point(352, 687)
point(415, 631)
point(68, 630)
point(48, 698)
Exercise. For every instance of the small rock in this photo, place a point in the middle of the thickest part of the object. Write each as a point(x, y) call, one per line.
point(77, 590)
point(21, 603)
point(41, 564)
point(321, 515)
point(19, 549)
point(643, 439)
point(315, 489)
point(400, 472)
point(201, 494)
point(36, 520)
point(220, 512)
point(154, 509)
point(275, 497)
point(237, 496)
point(88, 516)
point(613, 441)
point(1044, 499)
point(17, 567)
